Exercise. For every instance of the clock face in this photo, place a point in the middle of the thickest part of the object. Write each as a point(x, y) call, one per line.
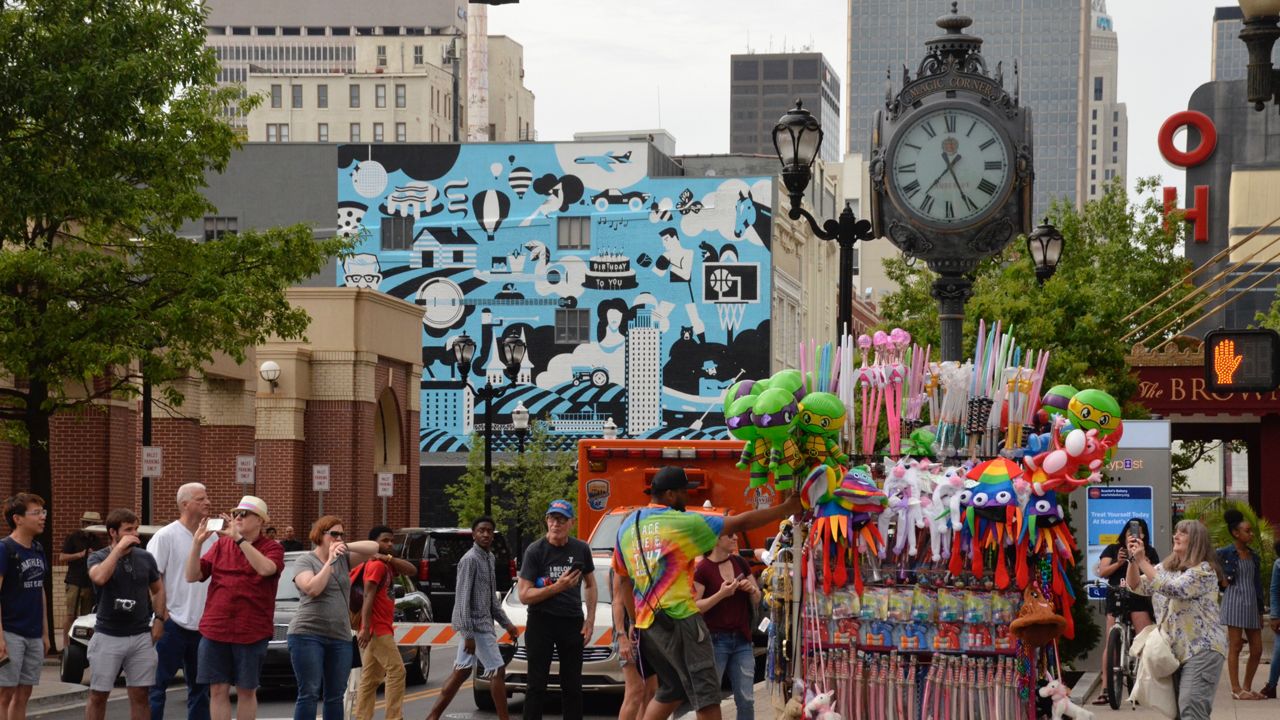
point(949, 167)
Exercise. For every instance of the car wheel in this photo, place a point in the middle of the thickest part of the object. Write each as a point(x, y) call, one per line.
point(599, 378)
point(482, 698)
point(602, 204)
point(420, 668)
point(635, 203)
point(74, 661)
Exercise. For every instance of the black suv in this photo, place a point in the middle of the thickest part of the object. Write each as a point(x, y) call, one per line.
point(436, 552)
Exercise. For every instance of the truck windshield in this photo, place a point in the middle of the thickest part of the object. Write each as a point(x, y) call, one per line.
point(605, 536)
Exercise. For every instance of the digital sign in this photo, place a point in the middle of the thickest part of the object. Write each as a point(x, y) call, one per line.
point(1241, 361)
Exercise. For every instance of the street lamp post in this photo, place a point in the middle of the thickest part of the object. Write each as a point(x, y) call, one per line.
point(796, 139)
point(520, 421)
point(511, 352)
point(609, 430)
point(1044, 244)
point(1261, 30)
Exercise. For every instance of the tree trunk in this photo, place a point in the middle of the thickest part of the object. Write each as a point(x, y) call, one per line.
point(40, 481)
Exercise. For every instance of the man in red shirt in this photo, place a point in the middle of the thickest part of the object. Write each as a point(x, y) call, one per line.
point(243, 568)
point(379, 656)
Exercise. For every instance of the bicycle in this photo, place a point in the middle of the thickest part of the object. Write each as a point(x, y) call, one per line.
point(1121, 669)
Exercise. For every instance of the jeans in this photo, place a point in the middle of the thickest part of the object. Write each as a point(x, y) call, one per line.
point(179, 648)
point(543, 633)
point(381, 658)
point(1275, 663)
point(320, 664)
point(733, 651)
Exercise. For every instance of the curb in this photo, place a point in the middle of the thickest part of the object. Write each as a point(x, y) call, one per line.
point(1085, 687)
point(56, 697)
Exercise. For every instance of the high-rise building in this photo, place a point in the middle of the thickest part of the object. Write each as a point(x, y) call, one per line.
point(764, 86)
point(1049, 39)
point(643, 375)
point(1230, 59)
point(1108, 119)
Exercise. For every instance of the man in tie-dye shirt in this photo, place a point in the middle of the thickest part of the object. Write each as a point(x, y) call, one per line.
point(675, 638)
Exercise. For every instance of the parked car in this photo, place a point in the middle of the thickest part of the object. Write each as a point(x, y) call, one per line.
point(601, 668)
point(75, 656)
point(277, 668)
point(412, 606)
point(436, 552)
point(634, 199)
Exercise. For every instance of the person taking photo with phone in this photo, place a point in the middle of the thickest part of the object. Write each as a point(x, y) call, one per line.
point(556, 568)
point(725, 592)
point(1112, 565)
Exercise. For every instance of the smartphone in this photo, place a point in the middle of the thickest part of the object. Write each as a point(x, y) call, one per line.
point(1135, 530)
point(215, 524)
point(576, 566)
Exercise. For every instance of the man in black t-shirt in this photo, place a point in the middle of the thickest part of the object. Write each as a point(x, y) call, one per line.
point(554, 569)
point(75, 553)
point(131, 615)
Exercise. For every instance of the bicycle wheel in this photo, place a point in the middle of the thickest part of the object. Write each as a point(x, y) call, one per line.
point(1114, 666)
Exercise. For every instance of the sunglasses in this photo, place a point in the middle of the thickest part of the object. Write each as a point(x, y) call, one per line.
point(336, 534)
point(238, 514)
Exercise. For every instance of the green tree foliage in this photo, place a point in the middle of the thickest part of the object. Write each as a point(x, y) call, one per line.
point(1117, 256)
point(110, 118)
point(1210, 512)
point(523, 486)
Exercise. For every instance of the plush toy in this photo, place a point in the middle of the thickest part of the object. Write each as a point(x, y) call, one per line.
point(990, 521)
point(1092, 409)
point(1044, 533)
point(794, 709)
point(842, 505)
point(944, 515)
point(755, 453)
point(774, 414)
point(1056, 400)
point(1060, 468)
point(919, 443)
point(904, 487)
point(790, 380)
point(1062, 705)
point(820, 707)
point(818, 429)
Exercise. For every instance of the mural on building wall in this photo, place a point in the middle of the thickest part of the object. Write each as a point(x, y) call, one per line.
point(640, 299)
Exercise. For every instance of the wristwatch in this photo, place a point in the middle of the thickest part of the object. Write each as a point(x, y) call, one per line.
point(241, 540)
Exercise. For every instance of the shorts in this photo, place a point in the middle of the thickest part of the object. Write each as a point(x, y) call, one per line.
point(221, 663)
point(26, 656)
point(79, 601)
point(684, 661)
point(487, 653)
point(109, 654)
point(645, 666)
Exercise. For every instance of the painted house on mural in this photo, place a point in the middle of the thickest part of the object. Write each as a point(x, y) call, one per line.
point(640, 298)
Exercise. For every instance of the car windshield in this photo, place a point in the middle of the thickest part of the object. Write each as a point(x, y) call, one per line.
point(603, 589)
point(286, 590)
point(606, 533)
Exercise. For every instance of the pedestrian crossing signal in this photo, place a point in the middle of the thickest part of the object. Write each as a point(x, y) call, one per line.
point(1241, 361)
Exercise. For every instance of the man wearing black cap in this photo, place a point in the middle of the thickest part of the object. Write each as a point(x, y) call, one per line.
point(676, 638)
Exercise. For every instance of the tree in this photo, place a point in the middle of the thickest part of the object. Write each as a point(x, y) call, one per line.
point(1117, 257)
point(522, 487)
point(110, 117)
point(1210, 511)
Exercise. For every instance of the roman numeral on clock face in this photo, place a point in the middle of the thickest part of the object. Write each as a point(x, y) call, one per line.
point(950, 119)
point(994, 165)
point(911, 188)
point(950, 210)
point(928, 129)
point(910, 168)
point(987, 186)
point(971, 205)
point(927, 205)
point(987, 144)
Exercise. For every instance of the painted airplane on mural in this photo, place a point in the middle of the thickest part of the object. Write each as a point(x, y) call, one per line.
point(639, 299)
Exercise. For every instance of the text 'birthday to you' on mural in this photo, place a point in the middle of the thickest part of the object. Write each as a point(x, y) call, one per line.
point(639, 299)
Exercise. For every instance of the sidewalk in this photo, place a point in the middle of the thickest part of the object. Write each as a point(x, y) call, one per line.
point(1224, 706)
point(52, 694)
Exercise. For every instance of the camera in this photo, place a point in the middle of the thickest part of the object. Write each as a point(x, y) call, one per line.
point(1135, 530)
point(125, 604)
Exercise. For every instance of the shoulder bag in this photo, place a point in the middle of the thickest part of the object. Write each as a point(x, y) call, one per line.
point(660, 618)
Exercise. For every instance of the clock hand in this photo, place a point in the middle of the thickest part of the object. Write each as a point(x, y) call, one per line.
point(952, 169)
point(944, 172)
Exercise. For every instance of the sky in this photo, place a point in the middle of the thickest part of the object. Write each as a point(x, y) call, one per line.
point(613, 65)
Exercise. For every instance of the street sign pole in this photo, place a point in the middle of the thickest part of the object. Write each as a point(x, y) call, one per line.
point(320, 484)
point(386, 488)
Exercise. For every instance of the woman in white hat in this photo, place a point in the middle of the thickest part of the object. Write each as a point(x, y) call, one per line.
point(243, 568)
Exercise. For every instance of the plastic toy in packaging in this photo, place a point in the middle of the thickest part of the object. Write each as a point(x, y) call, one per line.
point(845, 604)
point(924, 604)
point(847, 631)
point(913, 636)
point(947, 637)
point(1003, 607)
point(877, 634)
point(978, 638)
point(901, 599)
point(977, 607)
point(950, 605)
point(875, 604)
point(1002, 640)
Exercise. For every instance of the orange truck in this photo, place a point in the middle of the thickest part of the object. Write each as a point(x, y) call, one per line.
point(615, 474)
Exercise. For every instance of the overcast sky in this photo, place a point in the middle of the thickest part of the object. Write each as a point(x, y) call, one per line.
point(611, 65)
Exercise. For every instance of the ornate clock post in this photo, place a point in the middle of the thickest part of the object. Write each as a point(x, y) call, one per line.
point(951, 167)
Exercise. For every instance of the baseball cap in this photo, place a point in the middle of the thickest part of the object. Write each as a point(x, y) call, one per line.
point(670, 478)
point(561, 507)
point(91, 517)
point(255, 505)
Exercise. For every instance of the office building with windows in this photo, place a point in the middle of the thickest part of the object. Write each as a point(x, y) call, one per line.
point(764, 86)
point(1108, 118)
point(1049, 39)
point(1230, 57)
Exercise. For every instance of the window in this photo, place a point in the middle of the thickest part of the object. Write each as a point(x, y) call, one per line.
point(746, 70)
point(377, 132)
point(382, 56)
point(355, 132)
point(1095, 113)
point(380, 96)
point(401, 132)
point(277, 96)
point(459, 256)
point(573, 325)
point(322, 132)
point(1093, 159)
point(397, 232)
point(1115, 131)
point(1115, 116)
point(1093, 144)
point(1093, 189)
point(775, 70)
point(1097, 88)
point(448, 106)
point(1093, 174)
point(573, 233)
point(297, 95)
point(1115, 147)
point(277, 132)
point(1093, 129)
point(417, 55)
point(216, 227)
point(354, 92)
point(804, 69)
point(322, 96)
point(401, 97)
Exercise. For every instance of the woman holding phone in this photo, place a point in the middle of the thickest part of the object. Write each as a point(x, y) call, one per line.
point(1241, 603)
point(1112, 565)
point(724, 591)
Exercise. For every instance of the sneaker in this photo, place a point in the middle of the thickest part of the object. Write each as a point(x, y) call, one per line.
point(1269, 692)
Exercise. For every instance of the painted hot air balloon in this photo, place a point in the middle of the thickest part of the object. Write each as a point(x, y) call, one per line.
point(520, 179)
point(491, 207)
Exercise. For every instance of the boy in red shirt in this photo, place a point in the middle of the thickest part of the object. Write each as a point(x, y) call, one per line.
point(379, 656)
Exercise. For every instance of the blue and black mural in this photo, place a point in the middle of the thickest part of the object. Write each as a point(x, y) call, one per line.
point(639, 299)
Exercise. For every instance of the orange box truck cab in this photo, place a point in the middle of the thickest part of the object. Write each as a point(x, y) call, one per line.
point(616, 474)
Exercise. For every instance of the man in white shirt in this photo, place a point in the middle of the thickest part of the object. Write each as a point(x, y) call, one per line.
point(180, 643)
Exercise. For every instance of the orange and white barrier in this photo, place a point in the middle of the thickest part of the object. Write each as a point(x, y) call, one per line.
point(442, 634)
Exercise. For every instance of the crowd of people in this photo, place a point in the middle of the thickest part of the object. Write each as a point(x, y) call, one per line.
point(201, 597)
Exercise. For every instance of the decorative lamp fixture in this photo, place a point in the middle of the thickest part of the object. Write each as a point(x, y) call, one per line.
point(520, 417)
point(609, 431)
point(1261, 29)
point(511, 351)
point(269, 370)
point(796, 139)
point(464, 349)
point(1045, 247)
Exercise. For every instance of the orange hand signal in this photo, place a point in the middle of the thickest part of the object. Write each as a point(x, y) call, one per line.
point(1225, 361)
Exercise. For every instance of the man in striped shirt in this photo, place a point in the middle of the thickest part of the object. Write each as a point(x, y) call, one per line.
point(476, 608)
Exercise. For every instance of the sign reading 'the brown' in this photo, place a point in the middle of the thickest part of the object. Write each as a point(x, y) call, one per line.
point(1182, 391)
